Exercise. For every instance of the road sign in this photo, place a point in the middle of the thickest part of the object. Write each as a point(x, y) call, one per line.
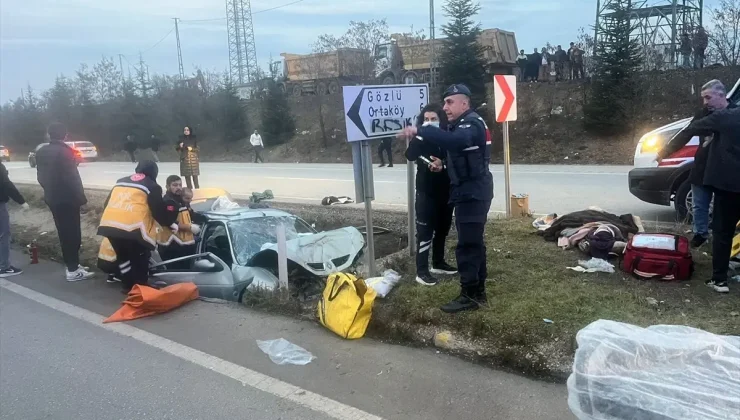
point(504, 90)
point(380, 111)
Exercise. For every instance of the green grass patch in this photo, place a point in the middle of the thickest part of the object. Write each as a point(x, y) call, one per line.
point(528, 282)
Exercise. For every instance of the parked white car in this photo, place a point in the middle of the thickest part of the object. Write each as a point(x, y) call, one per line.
point(86, 150)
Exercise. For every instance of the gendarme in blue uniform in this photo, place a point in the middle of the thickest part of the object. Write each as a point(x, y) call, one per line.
point(468, 147)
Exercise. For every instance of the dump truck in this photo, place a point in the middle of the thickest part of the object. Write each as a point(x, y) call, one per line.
point(324, 73)
point(407, 59)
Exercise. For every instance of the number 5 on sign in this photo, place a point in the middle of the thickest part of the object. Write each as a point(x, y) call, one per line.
point(504, 91)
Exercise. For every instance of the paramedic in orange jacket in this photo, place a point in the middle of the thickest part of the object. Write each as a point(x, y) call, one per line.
point(134, 213)
point(171, 245)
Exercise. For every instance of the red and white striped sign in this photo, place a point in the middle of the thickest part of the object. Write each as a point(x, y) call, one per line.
point(504, 91)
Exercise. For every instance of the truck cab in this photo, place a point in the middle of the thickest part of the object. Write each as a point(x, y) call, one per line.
point(667, 183)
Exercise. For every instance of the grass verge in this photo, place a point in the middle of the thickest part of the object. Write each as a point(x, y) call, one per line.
point(528, 283)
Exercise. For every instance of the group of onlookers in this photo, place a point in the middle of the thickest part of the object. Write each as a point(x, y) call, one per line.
point(546, 65)
point(694, 46)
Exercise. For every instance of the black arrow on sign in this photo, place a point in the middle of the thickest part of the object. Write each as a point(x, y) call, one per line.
point(354, 112)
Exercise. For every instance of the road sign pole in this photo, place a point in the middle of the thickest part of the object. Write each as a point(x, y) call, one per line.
point(411, 203)
point(367, 166)
point(507, 168)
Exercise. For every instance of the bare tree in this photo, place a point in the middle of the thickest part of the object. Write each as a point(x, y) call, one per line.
point(316, 67)
point(724, 36)
point(416, 48)
point(362, 35)
point(107, 79)
point(586, 43)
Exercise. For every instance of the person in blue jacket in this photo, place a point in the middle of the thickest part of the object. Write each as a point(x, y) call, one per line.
point(468, 147)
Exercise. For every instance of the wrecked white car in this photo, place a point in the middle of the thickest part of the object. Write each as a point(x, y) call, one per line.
point(237, 252)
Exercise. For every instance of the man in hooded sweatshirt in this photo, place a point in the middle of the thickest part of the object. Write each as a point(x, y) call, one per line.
point(134, 213)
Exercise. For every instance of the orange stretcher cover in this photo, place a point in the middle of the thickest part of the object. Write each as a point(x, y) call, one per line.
point(144, 301)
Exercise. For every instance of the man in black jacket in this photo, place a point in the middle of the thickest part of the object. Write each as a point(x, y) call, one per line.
point(7, 191)
point(57, 173)
point(433, 210)
point(386, 146)
point(722, 174)
point(714, 95)
point(154, 145)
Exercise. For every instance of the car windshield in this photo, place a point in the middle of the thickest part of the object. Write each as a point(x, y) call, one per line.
point(83, 144)
point(249, 235)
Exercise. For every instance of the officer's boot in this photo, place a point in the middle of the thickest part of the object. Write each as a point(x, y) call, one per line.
point(481, 297)
point(466, 301)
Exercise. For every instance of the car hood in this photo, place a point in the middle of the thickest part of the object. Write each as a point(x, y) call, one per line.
point(674, 126)
point(320, 253)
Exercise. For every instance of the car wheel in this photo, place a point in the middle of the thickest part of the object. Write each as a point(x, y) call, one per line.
point(682, 201)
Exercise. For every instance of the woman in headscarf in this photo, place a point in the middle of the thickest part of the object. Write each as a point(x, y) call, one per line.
point(189, 157)
point(433, 211)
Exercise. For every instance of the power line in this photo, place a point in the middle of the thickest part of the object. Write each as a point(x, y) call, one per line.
point(156, 43)
point(276, 7)
point(160, 41)
point(254, 13)
point(201, 20)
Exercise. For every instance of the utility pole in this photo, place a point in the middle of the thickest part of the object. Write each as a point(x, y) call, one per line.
point(432, 53)
point(120, 63)
point(179, 49)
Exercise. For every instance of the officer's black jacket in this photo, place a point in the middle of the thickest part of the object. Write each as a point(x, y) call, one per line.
point(468, 156)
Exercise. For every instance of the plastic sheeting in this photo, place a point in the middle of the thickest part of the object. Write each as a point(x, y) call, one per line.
point(593, 265)
point(224, 203)
point(384, 285)
point(283, 352)
point(662, 372)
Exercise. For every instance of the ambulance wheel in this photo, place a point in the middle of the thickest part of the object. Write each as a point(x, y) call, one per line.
point(682, 202)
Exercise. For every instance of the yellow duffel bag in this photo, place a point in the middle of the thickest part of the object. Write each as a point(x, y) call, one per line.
point(346, 305)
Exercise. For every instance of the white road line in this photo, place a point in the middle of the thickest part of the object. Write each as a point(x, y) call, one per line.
point(323, 179)
point(238, 373)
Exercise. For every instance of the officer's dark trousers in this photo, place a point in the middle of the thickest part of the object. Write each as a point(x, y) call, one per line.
point(133, 261)
point(433, 221)
point(724, 219)
point(470, 221)
point(67, 221)
point(385, 146)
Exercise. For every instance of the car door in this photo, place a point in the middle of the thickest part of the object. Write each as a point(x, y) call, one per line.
point(211, 274)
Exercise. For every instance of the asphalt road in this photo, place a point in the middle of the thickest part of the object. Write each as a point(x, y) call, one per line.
point(57, 367)
point(559, 189)
point(201, 361)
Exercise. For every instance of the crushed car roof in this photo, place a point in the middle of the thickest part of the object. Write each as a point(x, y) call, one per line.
point(245, 213)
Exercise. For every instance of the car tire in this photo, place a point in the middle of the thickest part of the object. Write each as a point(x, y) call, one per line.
point(681, 202)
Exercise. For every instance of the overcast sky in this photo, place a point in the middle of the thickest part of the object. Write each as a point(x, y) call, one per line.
point(40, 39)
